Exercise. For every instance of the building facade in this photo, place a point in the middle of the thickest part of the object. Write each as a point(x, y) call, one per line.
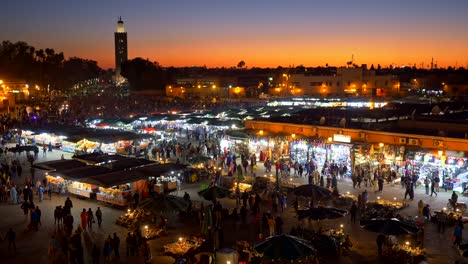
point(356, 81)
point(121, 54)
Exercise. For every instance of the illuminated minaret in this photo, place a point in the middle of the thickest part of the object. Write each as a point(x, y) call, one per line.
point(121, 54)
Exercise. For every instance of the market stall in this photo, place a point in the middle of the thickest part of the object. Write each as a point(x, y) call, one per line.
point(405, 253)
point(452, 168)
point(132, 218)
point(183, 247)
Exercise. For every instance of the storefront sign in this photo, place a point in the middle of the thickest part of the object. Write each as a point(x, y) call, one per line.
point(342, 138)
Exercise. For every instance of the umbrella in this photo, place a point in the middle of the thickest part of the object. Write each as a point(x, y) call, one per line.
point(164, 204)
point(389, 226)
point(214, 192)
point(199, 159)
point(285, 247)
point(313, 191)
point(321, 213)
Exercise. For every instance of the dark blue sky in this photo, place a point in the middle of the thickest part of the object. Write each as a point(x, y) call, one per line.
point(263, 33)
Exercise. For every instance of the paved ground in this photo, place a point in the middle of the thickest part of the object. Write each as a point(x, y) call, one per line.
point(32, 246)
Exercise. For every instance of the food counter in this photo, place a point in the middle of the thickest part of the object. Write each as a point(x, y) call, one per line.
point(113, 196)
point(79, 192)
point(169, 186)
point(111, 199)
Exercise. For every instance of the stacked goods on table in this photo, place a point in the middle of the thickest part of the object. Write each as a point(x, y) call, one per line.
point(378, 210)
point(182, 247)
point(395, 204)
point(408, 254)
point(155, 233)
point(130, 219)
point(242, 187)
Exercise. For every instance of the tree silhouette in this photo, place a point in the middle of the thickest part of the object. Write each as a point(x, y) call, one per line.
point(143, 74)
point(241, 64)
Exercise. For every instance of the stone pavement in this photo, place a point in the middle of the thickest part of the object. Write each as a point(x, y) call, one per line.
point(32, 246)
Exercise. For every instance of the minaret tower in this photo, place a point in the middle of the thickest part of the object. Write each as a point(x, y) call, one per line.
point(121, 54)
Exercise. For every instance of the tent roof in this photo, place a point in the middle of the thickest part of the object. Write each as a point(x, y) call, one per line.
point(59, 165)
point(80, 173)
point(132, 174)
point(98, 158)
point(128, 163)
point(115, 178)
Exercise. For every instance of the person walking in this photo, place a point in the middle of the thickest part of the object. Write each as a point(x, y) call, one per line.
point(353, 211)
point(427, 184)
point(441, 221)
point(433, 187)
point(115, 243)
point(457, 233)
point(25, 207)
point(107, 249)
point(271, 226)
point(95, 254)
point(90, 218)
point(52, 251)
point(41, 193)
point(11, 238)
point(84, 219)
point(380, 243)
point(99, 216)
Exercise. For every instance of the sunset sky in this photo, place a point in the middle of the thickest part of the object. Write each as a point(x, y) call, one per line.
point(263, 33)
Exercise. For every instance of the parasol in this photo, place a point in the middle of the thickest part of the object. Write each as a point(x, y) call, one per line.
point(321, 213)
point(285, 247)
point(389, 226)
point(214, 192)
point(313, 191)
point(165, 204)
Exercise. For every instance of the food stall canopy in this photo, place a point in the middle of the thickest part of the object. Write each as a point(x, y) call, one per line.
point(115, 178)
point(97, 158)
point(59, 165)
point(129, 163)
point(104, 136)
point(80, 173)
point(157, 170)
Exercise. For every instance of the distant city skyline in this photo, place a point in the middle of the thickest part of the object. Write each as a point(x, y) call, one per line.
point(261, 33)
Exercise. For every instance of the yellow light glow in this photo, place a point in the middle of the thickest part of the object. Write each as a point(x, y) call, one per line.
point(199, 86)
point(237, 90)
point(293, 135)
point(260, 132)
point(214, 86)
point(330, 139)
point(440, 152)
point(381, 144)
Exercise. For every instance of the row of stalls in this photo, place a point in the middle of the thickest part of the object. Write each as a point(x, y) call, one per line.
point(451, 167)
point(109, 178)
point(83, 141)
